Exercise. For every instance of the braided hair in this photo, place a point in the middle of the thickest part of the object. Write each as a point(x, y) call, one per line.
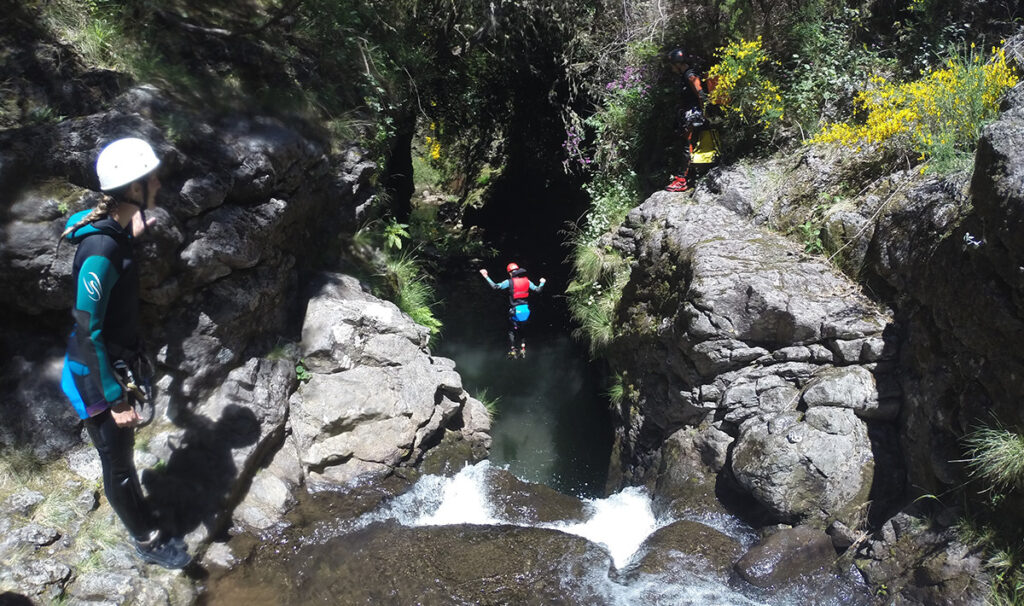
point(106, 205)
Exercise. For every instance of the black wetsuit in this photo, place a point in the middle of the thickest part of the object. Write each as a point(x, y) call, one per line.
point(106, 286)
point(688, 98)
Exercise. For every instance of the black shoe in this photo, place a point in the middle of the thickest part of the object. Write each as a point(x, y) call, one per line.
point(169, 553)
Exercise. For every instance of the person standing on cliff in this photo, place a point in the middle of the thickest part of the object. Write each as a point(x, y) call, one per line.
point(519, 287)
point(693, 98)
point(104, 344)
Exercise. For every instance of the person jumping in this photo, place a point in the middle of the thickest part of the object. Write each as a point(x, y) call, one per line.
point(519, 287)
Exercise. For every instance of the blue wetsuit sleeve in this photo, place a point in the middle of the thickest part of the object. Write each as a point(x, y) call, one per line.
point(96, 279)
point(500, 286)
point(536, 287)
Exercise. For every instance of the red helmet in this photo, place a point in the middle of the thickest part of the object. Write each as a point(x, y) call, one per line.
point(511, 267)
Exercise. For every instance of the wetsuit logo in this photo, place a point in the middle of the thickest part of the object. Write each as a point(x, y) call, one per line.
point(93, 287)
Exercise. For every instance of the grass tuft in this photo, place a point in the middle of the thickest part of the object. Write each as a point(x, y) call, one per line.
point(996, 454)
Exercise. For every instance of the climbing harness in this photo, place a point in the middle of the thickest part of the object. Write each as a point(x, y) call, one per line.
point(137, 386)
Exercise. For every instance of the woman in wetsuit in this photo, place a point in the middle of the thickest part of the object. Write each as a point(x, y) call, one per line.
point(105, 337)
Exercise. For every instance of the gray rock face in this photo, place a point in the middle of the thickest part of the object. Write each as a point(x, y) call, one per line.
point(376, 398)
point(240, 201)
point(945, 251)
point(820, 466)
point(778, 348)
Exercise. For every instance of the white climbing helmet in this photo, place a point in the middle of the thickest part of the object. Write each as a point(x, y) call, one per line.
point(124, 161)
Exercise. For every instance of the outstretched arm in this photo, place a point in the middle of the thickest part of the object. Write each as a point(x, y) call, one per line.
point(483, 272)
point(538, 287)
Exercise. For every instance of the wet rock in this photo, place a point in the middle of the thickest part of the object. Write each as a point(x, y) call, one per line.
point(785, 555)
point(525, 503)
point(690, 545)
point(454, 451)
point(219, 555)
point(684, 486)
point(842, 536)
point(480, 564)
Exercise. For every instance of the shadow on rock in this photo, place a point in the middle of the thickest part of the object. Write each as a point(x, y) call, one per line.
point(200, 477)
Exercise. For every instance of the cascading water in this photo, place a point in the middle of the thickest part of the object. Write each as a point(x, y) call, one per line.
point(327, 563)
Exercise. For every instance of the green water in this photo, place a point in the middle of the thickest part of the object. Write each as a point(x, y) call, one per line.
point(552, 425)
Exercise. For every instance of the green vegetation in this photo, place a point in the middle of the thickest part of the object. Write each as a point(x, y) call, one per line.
point(407, 284)
point(995, 460)
point(301, 372)
point(395, 274)
point(600, 274)
point(491, 404)
point(394, 233)
point(997, 456)
point(936, 118)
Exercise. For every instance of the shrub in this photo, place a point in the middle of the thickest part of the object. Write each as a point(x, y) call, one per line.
point(742, 88)
point(936, 118)
point(599, 276)
point(406, 285)
point(996, 454)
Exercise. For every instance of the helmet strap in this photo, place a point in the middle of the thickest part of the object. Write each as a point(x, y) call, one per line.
point(145, 201)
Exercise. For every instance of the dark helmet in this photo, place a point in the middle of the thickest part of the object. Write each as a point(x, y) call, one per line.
point(511, 267)
point(678, 55)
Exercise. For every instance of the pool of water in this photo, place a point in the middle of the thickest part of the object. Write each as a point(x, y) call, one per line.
point(552, 424)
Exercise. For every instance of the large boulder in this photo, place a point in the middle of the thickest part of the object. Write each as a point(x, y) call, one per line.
point(376, 398)
point(815, 465)
point(390, 563)
point(774, 355)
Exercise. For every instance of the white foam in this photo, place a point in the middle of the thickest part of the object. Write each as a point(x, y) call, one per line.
point(463, 500)
point(620, 523)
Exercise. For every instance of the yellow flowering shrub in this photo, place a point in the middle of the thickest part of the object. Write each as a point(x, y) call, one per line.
point(935, 116)
point(741, 88)
point(433, 143)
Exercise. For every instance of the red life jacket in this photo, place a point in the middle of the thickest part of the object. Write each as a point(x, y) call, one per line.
point(520, 287)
